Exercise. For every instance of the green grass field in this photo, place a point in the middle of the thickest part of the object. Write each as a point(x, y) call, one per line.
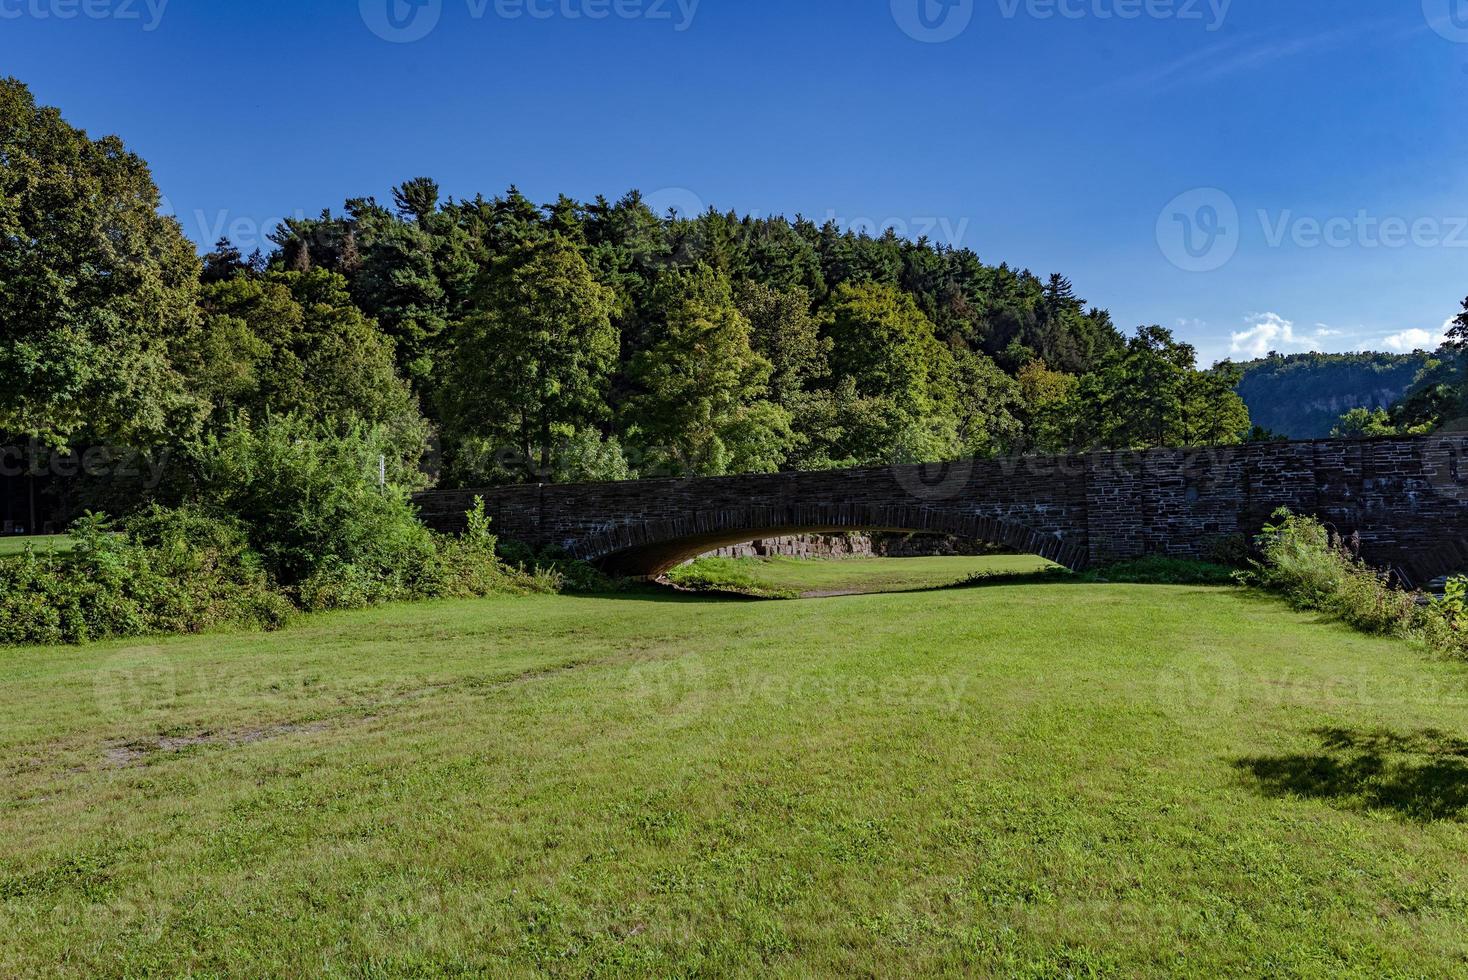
point(12, 545)
point(1018, 780)
point(791, 577)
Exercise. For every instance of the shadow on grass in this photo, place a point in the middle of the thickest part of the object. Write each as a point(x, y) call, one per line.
point(1420, 776)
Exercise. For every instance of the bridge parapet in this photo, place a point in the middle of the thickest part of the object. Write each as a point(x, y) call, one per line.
point(1407, 499)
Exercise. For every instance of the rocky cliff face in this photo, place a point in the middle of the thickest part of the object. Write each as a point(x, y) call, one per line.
point(1303, 396)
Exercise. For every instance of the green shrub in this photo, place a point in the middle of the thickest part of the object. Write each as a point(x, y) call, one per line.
point(1444, 623)
point(469, 566)
point(1161, 570)
point(310, 501)
point(464, 567)
point(162, 572)
point(1304, 563)
point(185, 571)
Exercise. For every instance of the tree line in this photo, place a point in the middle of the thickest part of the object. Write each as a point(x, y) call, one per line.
point(506, 340)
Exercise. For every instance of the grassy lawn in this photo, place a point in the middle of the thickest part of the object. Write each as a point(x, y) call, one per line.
point(14, 545)
point(790, 577)
point(1018, 780)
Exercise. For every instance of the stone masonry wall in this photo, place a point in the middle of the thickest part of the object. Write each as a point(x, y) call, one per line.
point(1406, 499)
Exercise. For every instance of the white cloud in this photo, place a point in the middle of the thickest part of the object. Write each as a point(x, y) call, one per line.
point(1418, 339)
point(1270, 331)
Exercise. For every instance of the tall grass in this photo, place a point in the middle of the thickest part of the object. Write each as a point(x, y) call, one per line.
point(1312, 568)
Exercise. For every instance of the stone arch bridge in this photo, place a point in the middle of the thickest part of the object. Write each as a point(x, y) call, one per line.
point(1405, 500)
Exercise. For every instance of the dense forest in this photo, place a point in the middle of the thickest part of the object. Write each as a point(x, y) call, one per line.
point(1303, 396)
point(566, 341)
point(496, 339)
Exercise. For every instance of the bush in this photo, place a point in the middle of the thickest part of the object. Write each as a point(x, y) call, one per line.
point(163, 572)
point(1302, 561)
point(1160, 570)
point(184, 571)
point(465, 567)
point(279, 515)
point(311, 503)
point(1445, 622)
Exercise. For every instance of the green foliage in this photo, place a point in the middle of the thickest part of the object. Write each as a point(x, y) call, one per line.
point(896, 381)
point(1161, 570)
point(1364, 423)
point(310, 497)
point(1445, 621)
point(1439, 396)
point(532, 364)
point(312, 506)
point(186, 571)
point(463, 567)
point(1301, 561)
point(293, 343)
point(590, 457)
point(1150, 394)
point(97, 289)
point(162, 572)
point(700, 405)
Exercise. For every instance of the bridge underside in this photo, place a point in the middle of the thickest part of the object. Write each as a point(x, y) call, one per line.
point(647, 550)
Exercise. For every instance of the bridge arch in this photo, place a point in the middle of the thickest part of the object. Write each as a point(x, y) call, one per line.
point(650, 548)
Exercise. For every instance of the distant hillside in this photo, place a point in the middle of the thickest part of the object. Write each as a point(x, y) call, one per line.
point(1303, 395)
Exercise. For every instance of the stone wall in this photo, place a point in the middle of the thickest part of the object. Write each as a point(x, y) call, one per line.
point(833, 546)
point(1406, 499)
point(843, 546)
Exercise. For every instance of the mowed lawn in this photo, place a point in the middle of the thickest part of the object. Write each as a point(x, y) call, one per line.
point(826, 578)
point(15, 544)
point(1027, 780)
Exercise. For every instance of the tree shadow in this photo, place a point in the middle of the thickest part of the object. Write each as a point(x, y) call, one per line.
point(1420, 776)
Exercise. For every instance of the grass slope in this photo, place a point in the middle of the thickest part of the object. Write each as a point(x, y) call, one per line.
point(1076, 779)
point(793, 577)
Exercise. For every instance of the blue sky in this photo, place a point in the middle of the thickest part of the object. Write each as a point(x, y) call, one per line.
point(1257, 174)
